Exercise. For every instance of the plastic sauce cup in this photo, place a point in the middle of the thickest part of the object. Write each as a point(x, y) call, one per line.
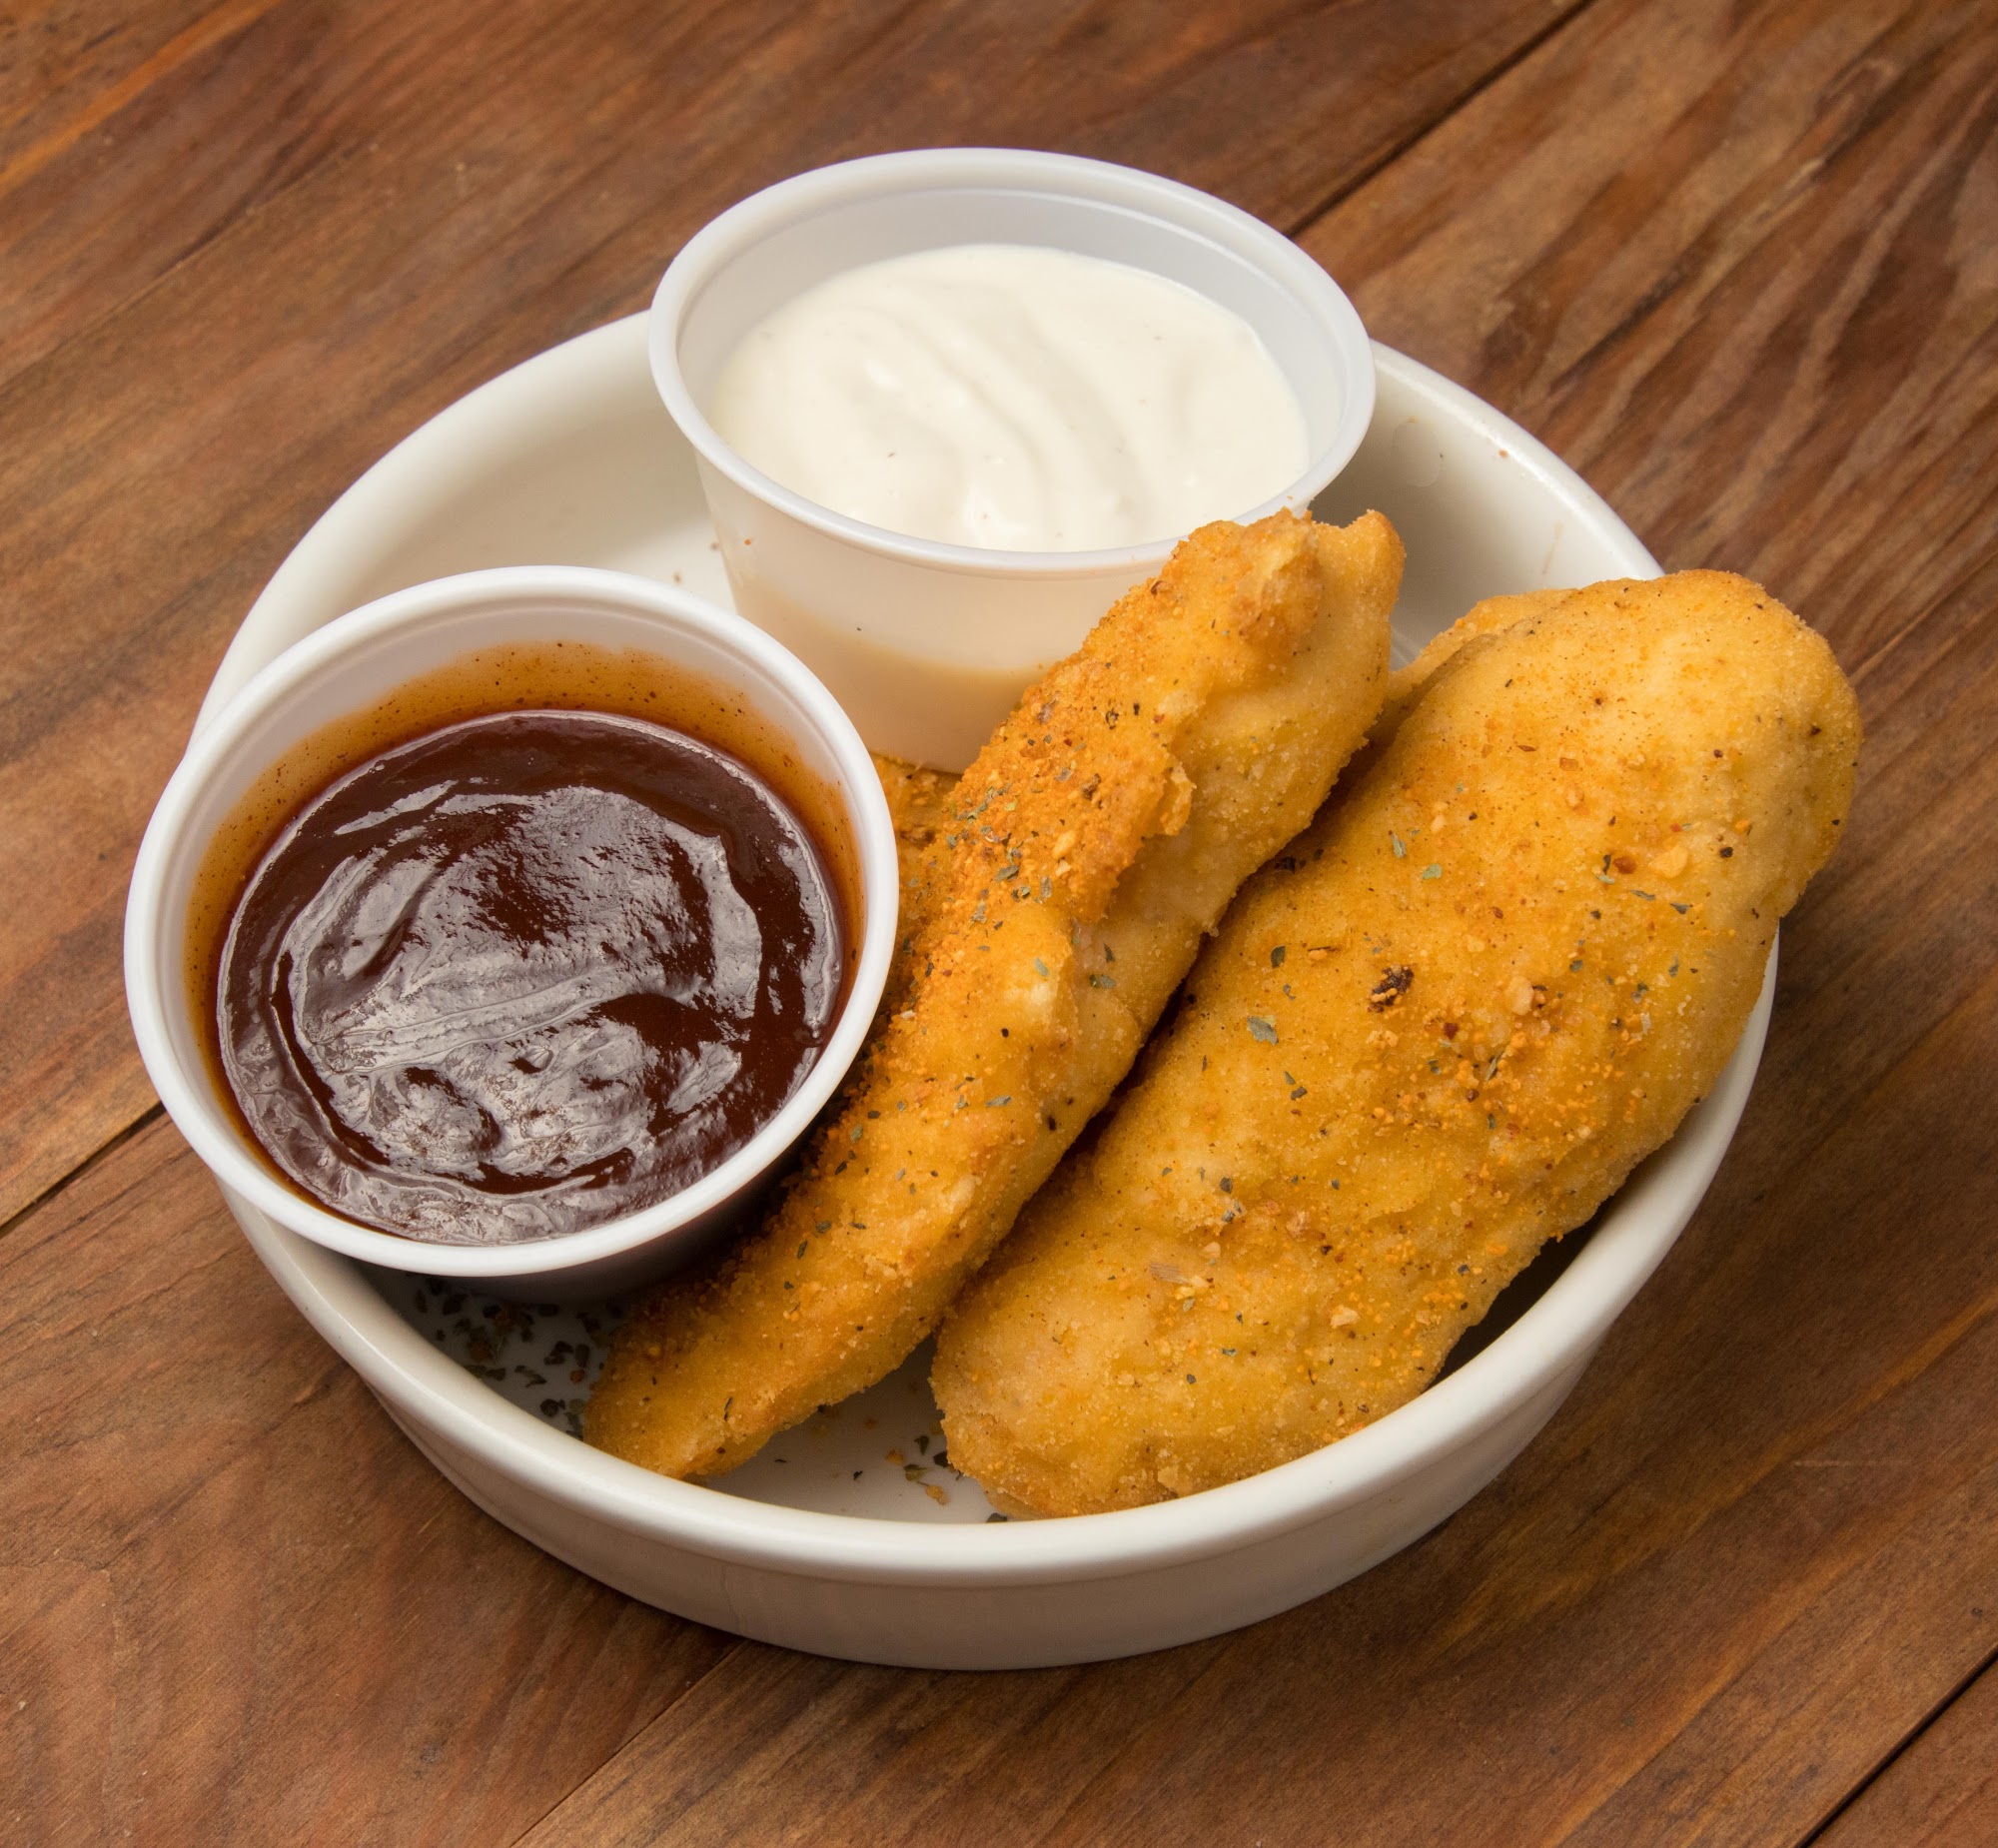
point(928, 645)
point(361, 659)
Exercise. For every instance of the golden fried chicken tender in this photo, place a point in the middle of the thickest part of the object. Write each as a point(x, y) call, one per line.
point(1436, 1032)
point(1100, 834)
point(919, 801)
point(1405, 684)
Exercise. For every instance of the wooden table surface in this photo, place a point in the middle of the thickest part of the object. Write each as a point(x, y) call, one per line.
point(1736, 259)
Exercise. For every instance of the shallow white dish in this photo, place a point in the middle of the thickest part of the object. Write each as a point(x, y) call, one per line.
point(827, 1543)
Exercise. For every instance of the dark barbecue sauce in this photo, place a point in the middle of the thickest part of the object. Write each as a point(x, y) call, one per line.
point(525, 974)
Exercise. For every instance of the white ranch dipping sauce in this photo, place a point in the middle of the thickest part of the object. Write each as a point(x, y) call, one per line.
point(1014, 398)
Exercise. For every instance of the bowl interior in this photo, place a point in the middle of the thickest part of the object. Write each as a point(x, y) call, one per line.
point(1485, 509)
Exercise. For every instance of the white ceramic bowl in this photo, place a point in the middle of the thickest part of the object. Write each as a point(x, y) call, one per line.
point(860, 603)
point(349, 666)
point(571, 456)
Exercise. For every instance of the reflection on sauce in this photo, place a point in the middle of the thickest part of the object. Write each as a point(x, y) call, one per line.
point(525, 974)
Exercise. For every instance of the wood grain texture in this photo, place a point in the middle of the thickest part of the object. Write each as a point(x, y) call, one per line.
point(313, 226)
point(234, 1604)
point(67, 67)
point(1941, 1792)
point(1735, 261)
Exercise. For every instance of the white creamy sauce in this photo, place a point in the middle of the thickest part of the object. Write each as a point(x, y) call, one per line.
point(1014, 398)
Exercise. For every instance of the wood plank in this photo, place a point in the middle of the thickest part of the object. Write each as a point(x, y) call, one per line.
point(1941, 1792)
point(68, 65)
point(1735, 267)
point(306, 236)
point(234, 1604)
point(1757, 1549)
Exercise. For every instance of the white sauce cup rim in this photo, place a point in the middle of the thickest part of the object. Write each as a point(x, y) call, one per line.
point(1185, 209)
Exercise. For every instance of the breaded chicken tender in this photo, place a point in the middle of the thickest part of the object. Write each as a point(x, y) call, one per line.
point(1438, 1031)
point(1100, 834)
point(1406, 685)
point(920, 804)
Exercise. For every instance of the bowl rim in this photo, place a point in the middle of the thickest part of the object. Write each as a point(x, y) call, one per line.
point(153, 1001)
point(434, 1395)
point(1128, 190)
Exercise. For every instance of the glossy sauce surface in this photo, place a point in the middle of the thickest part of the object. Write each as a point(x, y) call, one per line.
point(526, 973)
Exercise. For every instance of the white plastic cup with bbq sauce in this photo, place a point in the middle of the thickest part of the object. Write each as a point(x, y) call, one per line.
point(715, 666)
point(928, 645)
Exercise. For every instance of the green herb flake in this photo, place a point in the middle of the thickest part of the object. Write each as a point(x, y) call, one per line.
point(1260, 1029)
point(1040, 968)
point(1103, 981)
point(993, 1103)
point(1394, 841)
point(1433, 872)
point(1276, 957)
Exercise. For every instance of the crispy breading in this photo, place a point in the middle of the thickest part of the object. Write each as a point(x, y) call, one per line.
point(1405, 684)
point(1438, 1031)
point(1100, 834)
point(920, 804)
